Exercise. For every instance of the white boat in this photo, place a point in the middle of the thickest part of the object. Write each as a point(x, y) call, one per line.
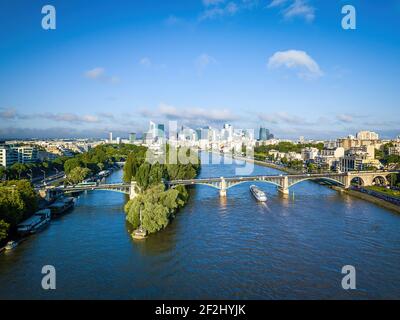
point(11, 245)
point(35, 223)
point(258, 194)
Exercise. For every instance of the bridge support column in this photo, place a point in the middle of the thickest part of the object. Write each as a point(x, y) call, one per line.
point(284, 188)
point(222, 191)
point(347, 181)
point(132, 190)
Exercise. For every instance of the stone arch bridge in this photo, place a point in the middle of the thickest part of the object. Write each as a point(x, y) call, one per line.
point(282, 182)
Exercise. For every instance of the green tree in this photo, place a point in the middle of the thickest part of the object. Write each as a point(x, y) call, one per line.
point(19, 169)
point(143, 176)
point(78, 174)
point(157, 206)
point(4, 226)
point(71, 164)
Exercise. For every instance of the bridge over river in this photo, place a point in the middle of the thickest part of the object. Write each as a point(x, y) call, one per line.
point(283, 182)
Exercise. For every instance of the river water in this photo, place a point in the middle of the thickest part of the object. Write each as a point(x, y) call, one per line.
point(233, 248)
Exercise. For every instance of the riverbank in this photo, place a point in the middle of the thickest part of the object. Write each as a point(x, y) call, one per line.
point(369, 198)
point(267, 164)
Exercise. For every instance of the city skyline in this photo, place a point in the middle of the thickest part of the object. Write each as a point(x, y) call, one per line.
point(303, 76)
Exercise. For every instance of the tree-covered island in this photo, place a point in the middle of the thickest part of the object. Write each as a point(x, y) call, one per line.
point(154, 203)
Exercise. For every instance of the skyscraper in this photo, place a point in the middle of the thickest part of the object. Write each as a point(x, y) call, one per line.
point(132, 137)
point(110, 140)
point(160, 131)
point(264, 134)
point(152, 130)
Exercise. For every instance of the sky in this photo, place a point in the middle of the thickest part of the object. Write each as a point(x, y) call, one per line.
point(287, 65)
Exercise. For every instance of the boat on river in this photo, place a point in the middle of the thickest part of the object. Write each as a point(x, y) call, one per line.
point(11, 245)
point(258, 194)
point(61, 206)
point(37, 222)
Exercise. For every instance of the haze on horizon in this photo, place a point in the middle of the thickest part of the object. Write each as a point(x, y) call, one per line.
point(284, 64)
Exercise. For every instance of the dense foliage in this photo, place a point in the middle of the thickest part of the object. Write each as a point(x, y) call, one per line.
point(147, 175)
point(31, 170)
point(286, 147)
point(97, 159)
point(156, 204)
point(17, 202)
point(157, 207)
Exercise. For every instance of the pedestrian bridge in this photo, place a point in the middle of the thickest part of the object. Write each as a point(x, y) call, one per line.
point(282, 182)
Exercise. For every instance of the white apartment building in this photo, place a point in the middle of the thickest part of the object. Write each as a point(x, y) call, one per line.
point(309, 153)
point(395, 150)
point(22, 154)
point(329, 157)
point(367, 135)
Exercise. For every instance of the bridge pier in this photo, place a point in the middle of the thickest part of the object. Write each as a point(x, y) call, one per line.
point(284, 191)
point(284, 188)
point(222, 191)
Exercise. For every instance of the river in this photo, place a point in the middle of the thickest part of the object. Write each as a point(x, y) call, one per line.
point(233, 248)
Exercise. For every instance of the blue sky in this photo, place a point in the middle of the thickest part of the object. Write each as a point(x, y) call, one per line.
point(287, 65)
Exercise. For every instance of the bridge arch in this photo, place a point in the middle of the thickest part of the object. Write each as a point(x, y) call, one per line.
point(197, 184)
point(357, 181)
point(255, 181)
point(317, 178)
point(380, 180)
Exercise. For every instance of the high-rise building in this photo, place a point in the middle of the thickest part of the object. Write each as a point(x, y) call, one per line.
point(152, 129)
point(264, 134)
point(160, 131)
point(132, 137)
point(110, 140)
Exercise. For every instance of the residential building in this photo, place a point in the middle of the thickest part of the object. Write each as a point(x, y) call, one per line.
point(359, 158)
point(309, 153)
point(10, 154)
point(367, 135)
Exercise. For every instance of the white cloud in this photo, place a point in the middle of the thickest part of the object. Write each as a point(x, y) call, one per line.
point(282, 117)
point(198, 116)
point(294, 8)
point(146, 62)
point(295, 59)
point(8, 113)
point(99, 74)
point(95, 73)
point(276, 3)
point(172, 20)
point(346, 118)
point(212, 2)
point(203, 61)
point(70, 117)
point(229, 9)
point(300, 8)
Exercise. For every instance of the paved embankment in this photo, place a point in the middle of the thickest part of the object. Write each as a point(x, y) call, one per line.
point(367, 197)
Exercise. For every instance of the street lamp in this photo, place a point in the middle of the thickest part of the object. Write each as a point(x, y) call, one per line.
point(30, 175)
point(44, 174)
